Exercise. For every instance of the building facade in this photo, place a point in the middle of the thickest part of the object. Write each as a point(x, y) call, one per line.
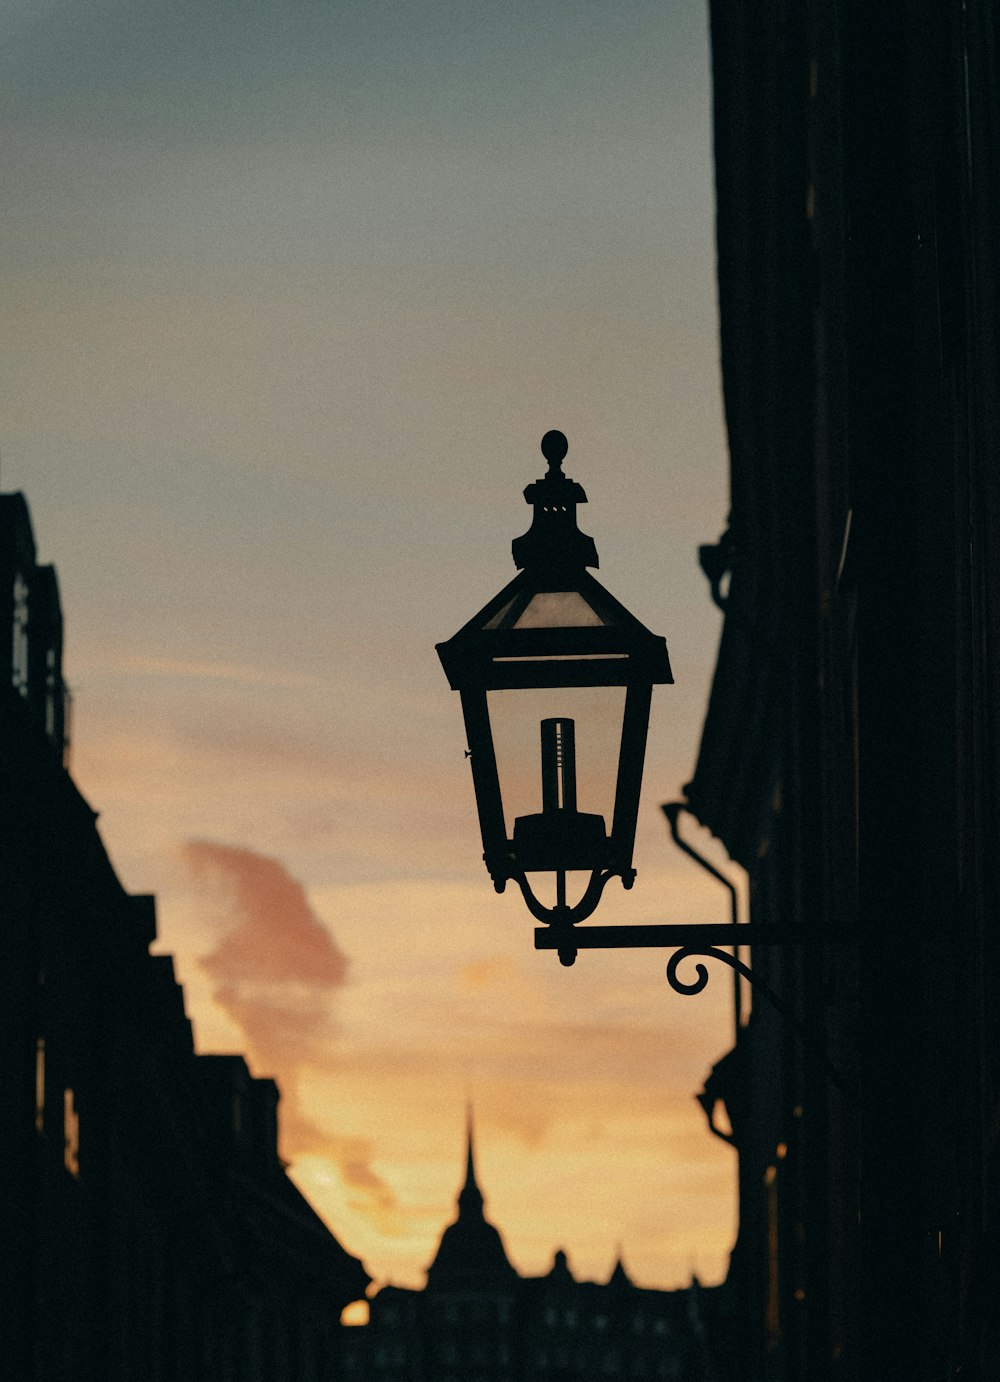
point(849, 759)
point(478, 1320)
point(149, 1231)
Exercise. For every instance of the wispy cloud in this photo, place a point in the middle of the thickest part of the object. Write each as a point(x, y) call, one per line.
point(142, 665)
point(276, 971)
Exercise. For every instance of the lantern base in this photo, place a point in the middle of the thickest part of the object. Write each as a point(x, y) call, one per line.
point(562, 917)
point(560, 841)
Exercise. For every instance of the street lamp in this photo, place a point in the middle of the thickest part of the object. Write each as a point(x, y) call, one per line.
point(555, 677)
point(536, 668)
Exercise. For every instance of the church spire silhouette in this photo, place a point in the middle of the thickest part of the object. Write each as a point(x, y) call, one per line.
point(470, 1197)
point(471, 1253)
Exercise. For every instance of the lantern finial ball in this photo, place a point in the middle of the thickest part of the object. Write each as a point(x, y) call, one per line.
point(554, 448)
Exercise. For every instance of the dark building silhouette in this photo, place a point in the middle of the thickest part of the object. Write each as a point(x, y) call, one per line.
point(31, 625)
point(478, 1320)
point(149, 1232)
point(849, 759)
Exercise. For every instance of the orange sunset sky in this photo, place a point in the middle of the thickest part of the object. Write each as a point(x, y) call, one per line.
point(292, 290)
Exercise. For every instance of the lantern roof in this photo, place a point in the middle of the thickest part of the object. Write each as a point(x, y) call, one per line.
point(554, 624)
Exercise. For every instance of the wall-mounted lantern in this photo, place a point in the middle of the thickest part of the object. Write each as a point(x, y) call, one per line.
point(556, 678)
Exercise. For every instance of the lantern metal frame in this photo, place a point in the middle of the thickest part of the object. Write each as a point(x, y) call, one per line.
point(614, 649)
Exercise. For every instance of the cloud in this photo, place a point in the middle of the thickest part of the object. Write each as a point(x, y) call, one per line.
point(489, 973)
point(273, 934)
point(276, 971)
point(206, 671)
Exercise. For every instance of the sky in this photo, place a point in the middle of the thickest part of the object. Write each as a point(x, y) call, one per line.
point(291, 292)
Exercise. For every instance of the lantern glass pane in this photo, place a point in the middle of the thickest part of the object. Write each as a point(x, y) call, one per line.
point(501, 616)
point(516, 717)
point(559, 609)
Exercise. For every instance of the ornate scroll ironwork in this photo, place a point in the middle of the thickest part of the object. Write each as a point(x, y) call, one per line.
point(692, 986)
point(691, 941)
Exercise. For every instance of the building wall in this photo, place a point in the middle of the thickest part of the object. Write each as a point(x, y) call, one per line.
point(544, 1329)
point(150, 1234)
point(849, 756)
